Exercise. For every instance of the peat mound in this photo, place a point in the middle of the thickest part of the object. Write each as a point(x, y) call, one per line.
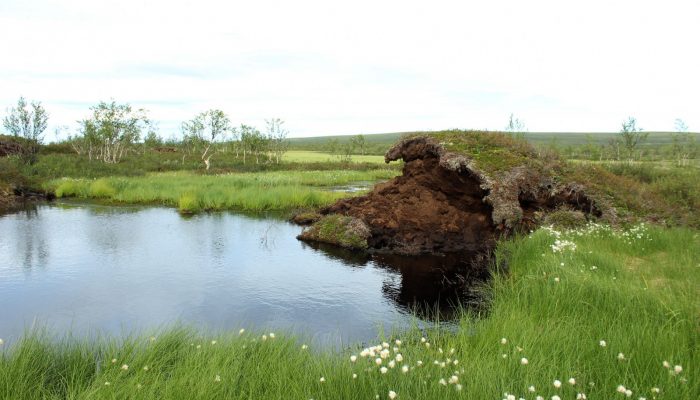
point(459, 192)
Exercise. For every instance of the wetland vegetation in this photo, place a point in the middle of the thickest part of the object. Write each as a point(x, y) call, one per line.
point(594, 310)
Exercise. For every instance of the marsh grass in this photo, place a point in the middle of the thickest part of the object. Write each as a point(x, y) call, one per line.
point(259, 191)
point(635, 289)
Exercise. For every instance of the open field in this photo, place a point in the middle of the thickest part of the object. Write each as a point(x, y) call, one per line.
point(378, 141)
point(255, 191)
point(319, 156)
point(601, 311)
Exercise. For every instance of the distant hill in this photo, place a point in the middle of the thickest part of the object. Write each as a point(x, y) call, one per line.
point(377, 141)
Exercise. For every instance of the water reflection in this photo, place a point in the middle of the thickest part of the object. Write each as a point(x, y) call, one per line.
point(431, 287)
point(86, 268)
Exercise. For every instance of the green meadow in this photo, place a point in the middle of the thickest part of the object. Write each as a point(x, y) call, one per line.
point(253, 191)
point(591, 313)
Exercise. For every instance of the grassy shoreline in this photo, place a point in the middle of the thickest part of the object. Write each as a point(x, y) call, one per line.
point(563, 293)
point(252, 191)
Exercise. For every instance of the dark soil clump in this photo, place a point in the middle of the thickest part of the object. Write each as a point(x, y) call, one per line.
point(445, 202)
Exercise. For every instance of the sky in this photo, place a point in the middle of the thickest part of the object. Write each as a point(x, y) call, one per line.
point(349, 67)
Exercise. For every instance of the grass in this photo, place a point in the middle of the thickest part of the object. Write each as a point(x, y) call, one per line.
point(318, 156)
point(255, 191)
point(635, 289)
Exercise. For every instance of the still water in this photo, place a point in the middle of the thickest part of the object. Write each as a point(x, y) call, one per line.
point(87, 269)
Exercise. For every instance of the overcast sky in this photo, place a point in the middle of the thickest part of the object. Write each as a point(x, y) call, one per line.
point(347, 67)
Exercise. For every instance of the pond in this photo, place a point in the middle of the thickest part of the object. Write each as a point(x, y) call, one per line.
point(88, 268)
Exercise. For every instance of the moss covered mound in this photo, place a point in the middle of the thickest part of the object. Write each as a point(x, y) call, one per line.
point(461, 191)
point(341, 230)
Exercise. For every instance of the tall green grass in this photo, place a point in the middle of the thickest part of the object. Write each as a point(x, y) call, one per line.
point(635, 290)
point(258, 191)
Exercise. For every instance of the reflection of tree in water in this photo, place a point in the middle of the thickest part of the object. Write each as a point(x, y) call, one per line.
point(32, 241)
point(431, 287)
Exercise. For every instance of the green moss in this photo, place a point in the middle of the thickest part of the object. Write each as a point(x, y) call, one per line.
point(340, 230)
point(565, 218)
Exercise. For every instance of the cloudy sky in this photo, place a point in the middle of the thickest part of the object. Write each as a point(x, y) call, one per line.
point(347, 67)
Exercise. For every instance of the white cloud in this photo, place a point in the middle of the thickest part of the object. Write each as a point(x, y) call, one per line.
point(362, 66)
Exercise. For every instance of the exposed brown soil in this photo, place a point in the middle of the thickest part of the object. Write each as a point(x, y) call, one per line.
point(443, 203)
point(9, 147)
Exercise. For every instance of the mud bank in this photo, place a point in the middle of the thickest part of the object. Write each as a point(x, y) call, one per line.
point(448, 201)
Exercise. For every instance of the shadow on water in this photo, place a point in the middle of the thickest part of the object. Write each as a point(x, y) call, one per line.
point(428, 286)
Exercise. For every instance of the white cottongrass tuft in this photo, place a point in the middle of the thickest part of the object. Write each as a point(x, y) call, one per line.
point(442, 381)
point(621, 356)
point(378, 361)
point(241, 331)
point(628, 393)
point(404, 369)
point(398, 342)
point(272, 335)
point(304, 347)
point(655, 390)
point(383, 370)
point(555, 397)
point(453, 379)
point(107, 383)
point(531, 389)
point(399, 357)
point(392, 395)
point(603, 343)
point(217, 378)
point(621, 389)
point(666, 364)
point(504, 340)
point(458, 387)
point(524, 361)
point(572, 381)
point(392, 364)
point(1, 342)
point(580, 396)
point(557, 383)
point(213, 342)
point(677, 369)
point(125, 367)
point(353, 358)
point(322, 379)
point(354, 376)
